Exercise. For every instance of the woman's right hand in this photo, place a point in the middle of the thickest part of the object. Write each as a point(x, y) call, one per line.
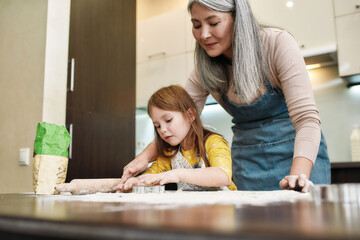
point(136, 166)
point(128, 185)
point(140, 163)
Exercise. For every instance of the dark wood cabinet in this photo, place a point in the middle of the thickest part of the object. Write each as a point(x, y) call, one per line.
point(101, 103)
point(345, 172)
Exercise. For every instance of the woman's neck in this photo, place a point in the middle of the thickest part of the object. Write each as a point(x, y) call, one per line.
point(228, 54)
point(228, 61)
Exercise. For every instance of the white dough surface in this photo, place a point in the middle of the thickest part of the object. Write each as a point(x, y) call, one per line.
point(237, 198)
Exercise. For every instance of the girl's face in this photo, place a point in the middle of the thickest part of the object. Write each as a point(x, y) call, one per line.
point(213, 30)
point(172, 126)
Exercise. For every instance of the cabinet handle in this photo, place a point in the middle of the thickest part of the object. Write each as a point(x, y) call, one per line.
point(72, 74)
point(157, 54)
point(71, 140)
point(357, 6)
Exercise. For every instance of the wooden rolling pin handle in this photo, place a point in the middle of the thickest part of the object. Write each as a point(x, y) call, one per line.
point(65, 187)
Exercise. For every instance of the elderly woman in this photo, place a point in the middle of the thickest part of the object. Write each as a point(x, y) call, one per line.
point(258, 75)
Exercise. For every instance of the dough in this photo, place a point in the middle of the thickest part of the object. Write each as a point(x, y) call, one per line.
point(237, 198)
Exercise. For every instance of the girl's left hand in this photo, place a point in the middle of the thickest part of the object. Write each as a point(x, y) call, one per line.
point(296, 182)
point(160, 178)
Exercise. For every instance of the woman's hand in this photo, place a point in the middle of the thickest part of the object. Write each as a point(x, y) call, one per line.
point(160, 178)
point(133, 168)
point(140, 162)
point(296, 182)
point(128, 185)
point(297, 179)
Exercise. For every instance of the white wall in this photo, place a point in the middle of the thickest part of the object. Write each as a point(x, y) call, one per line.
point(216, 119)
point(150, 8)
point(22, 51)
point(57, 45)
point(339, 109)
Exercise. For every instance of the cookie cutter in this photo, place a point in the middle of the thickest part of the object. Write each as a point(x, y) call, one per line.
point(149, 189)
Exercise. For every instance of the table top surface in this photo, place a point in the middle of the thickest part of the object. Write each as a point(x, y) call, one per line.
point(300, 219)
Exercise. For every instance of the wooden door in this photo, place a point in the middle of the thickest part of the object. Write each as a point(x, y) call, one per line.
point(101, 97)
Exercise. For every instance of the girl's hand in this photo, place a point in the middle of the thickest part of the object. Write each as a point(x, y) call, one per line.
point(160, 178)
point(296, 182)
point(128, 185)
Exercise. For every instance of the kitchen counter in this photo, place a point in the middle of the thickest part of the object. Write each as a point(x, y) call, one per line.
point(29, 216)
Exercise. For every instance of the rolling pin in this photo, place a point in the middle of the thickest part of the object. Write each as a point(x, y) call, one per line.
point(88, 186)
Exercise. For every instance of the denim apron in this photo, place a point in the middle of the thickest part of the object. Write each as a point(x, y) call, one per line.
point(263, 143)
point(179, 161)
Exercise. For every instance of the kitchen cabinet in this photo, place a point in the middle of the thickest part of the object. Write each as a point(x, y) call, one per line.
point(346, 7)
point(157, 73)
point(310, 22)
point(164, 44)
point(161, 36)
point(347, 18)
point(100, 111)
point(345, 172)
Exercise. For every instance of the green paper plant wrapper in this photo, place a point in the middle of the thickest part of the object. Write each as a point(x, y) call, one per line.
point(51, 157)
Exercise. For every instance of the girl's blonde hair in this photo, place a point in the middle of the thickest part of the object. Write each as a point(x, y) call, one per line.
point(175, 98)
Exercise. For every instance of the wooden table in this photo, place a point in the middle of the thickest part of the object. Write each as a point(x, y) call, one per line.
point(26, 216)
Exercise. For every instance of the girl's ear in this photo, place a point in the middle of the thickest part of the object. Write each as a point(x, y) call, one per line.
point(192, 114)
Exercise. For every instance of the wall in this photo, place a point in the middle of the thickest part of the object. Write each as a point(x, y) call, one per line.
point(339, 110)
point(56, 64)
point(22, 47)
point(150, 8)
point(33, 65)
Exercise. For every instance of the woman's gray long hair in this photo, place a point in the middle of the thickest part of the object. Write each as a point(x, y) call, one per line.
point(249, 63)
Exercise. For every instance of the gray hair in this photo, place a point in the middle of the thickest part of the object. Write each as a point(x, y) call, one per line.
point(249, 63)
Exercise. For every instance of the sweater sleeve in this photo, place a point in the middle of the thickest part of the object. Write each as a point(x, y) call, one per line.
point(218, 153)
point(289, 66)
point(196, 92)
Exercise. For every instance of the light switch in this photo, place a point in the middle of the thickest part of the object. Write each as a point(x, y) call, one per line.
point(24, 156)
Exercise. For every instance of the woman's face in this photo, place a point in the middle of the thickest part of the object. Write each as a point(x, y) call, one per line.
point(213, 30)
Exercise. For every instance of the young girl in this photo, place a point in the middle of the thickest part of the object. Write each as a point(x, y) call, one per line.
point(191, 156)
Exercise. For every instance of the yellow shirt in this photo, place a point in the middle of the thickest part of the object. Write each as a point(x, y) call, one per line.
point(218, 154)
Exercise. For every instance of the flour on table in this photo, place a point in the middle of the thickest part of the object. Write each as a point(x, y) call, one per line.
point(237, 198)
